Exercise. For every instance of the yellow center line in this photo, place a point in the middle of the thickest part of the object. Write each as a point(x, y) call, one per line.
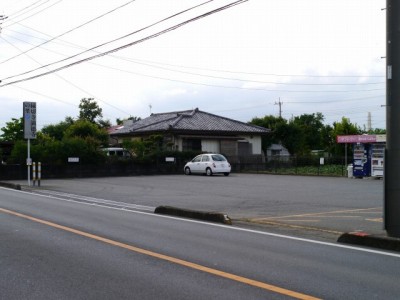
point(321, 213)
point(171, 259)
point(266, 222)
point(380, 220)
point(299, 220)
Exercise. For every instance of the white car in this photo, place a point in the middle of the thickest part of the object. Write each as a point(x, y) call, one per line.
point(208, 164)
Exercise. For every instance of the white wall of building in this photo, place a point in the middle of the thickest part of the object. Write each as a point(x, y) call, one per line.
point(256, 143)
point(211, 146)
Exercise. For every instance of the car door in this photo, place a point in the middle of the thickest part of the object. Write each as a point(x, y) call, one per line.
point(205, 160)
point(195, 166)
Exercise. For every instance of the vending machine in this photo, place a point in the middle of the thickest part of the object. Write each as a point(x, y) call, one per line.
point(377, 160)
point(361, 160)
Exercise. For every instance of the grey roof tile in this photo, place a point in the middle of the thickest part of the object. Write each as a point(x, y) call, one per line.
point(190, 120)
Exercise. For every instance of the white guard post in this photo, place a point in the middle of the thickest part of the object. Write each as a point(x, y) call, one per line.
point(39, 172)
point(34, 173)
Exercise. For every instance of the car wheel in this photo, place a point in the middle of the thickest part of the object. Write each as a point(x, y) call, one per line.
point(208, 172)
point(226, 174)
point(187, 171)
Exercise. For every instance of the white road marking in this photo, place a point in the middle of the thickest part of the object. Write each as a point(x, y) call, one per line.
point(366, 250)
point(95, 200)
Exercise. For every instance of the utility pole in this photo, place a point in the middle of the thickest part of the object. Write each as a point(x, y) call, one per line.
point(280, 107)
point(2, 18)
point(392, 153)
point(369, 122)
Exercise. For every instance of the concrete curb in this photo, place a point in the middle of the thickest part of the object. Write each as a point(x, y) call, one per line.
point(374, 241)
point(10, 185)
point(192, 214)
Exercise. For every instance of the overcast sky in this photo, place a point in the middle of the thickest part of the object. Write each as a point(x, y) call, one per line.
point(312, 55)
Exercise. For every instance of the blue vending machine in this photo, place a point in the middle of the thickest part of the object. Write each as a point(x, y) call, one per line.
point(361, 160)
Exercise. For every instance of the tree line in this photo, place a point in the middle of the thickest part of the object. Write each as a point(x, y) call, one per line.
point(80, 137)
point(84, 135)
point(307, 132)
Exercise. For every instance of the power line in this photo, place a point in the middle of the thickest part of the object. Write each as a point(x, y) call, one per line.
point(196, 83)
point(155, 64)
point(68, 81)
point(335, 101)
point(232, 4)
point(122, 37)
point(20, 12)
point(232, 87)
point(12, 4)
point(215, 77)
point(38, 12)
point(45, 96)
point(224, 86)
point(69, 31)
point(257, 73)
point(259, 81)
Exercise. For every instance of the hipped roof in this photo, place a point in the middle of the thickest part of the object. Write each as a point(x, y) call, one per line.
point(189, 121)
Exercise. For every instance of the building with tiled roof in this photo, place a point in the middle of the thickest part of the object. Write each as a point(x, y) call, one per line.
point(197, 130)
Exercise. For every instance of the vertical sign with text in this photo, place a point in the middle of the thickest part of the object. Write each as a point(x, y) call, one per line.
point(29, 120)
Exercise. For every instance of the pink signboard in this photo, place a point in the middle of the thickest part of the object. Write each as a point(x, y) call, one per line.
point(351, 139)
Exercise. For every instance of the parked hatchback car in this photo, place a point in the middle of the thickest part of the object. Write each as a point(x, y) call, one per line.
point(208, 164)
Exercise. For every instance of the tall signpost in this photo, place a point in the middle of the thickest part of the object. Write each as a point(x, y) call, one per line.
point(392, 154)
point(29, 114)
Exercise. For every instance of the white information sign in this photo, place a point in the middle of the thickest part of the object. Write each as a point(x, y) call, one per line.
point(29, 120)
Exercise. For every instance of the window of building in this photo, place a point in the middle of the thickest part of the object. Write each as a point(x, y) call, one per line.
point(191, 144)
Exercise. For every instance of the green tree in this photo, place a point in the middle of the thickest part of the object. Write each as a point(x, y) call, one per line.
point(58, 130)
point(345, 127)
point(57, 152)
point(88, 131)
point(312, 128)
point(89, 110)
point(104, 123)
point(377, 131)
point(272, 123)
point(136, 147)
point(328, 143)
point(142, 148)
point(18, 153)
point(134, 119)
point(13, 131)
point(291, 136)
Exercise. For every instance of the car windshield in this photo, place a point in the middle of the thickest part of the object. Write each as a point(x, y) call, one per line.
point(217, 157)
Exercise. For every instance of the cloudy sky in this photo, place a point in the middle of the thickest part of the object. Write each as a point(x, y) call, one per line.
point(239, 62)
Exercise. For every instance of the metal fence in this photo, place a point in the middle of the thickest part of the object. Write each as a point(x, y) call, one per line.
point(282, 165)
point(332, 166)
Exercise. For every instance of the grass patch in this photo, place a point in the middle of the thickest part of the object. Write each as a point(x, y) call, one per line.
point(324, 170)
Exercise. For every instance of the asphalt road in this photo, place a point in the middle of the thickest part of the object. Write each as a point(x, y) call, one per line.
point(55, 248)
point(322, 207)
